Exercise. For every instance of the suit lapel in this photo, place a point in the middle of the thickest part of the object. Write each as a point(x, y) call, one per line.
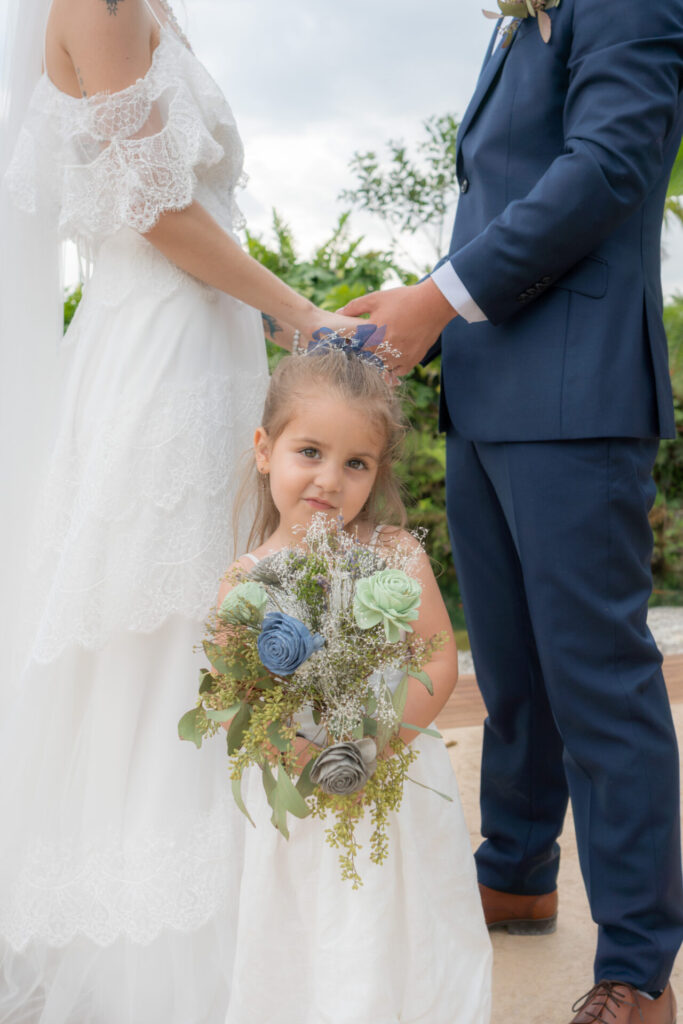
point(489, 72)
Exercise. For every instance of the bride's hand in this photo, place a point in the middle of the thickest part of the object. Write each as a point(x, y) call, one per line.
point(334, 321)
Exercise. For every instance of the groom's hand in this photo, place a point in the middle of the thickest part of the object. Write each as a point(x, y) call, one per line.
point(414, 317)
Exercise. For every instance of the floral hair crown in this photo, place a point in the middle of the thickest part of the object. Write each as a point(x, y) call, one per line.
point(366, 343)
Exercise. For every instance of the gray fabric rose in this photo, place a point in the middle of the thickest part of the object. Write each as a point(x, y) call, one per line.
point(345, 767)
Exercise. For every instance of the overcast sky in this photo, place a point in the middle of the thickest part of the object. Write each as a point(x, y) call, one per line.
point(311, 82)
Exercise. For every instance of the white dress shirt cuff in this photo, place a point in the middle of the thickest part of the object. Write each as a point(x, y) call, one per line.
point(454, 291)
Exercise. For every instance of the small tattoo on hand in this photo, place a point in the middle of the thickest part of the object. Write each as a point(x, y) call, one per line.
point(112, 5)
point(271, 324)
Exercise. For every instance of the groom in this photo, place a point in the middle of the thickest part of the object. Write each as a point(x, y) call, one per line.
point(555, 390)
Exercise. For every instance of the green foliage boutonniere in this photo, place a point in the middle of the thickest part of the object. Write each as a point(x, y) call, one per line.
point(519, 9)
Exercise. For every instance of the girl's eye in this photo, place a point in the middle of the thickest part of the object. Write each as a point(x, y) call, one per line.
point(357, 464)
point(309, 453)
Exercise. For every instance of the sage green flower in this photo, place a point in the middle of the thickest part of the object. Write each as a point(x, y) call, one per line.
point(390, 597)
point(244, 605)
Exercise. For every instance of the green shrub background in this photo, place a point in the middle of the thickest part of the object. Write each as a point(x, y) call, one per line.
point(413, 194)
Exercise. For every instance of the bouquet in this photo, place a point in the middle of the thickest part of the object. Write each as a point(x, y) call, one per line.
point(303, 646)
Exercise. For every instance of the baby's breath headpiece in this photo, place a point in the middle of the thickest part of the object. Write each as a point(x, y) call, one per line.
point(366, 342)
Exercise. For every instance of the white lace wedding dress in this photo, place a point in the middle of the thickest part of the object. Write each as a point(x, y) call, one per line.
point(120, 846)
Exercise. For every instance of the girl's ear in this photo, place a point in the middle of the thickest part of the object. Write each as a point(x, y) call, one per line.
point(261, 450)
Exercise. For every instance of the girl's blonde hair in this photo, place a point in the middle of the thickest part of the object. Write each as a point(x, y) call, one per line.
point(357, 382)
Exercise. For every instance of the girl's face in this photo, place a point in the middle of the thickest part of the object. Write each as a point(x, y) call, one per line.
point(325, 460)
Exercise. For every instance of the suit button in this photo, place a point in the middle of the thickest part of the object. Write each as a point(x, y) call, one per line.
point(464, 185)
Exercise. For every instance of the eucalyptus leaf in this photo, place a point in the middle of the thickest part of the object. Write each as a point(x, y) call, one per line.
point(369, 726)
point(304, 784)
point(431, 789)
point(238, 727)
point(279, 815)
point(277, 738)
point(400, 696)
point(418, 728)
point(545, 26)
point(284, 798)
point(206, 681)
point(223, 714)
point(268, 782)
point(189, 726)
point(291, 798)
point(263, 683)
point(423, 678)
point(234, 668)
point(237, 794)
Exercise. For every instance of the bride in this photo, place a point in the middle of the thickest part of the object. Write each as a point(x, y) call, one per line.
point(119, 862)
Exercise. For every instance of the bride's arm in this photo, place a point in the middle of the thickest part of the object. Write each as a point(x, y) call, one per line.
point(195, 242)
point(107, 46)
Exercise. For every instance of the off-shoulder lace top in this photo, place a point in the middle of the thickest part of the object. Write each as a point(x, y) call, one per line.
point(115, 160)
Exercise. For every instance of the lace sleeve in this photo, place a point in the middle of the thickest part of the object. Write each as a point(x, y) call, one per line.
point(145, 151)
point(122, 159)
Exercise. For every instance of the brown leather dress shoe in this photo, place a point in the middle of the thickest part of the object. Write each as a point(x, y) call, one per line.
point(519, 915)
point(615, 1002)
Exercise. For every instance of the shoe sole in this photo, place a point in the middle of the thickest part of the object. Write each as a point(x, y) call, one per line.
point(542, 926)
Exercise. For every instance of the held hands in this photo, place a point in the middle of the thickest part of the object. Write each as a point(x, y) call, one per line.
point(283, 334)
point(414, 318)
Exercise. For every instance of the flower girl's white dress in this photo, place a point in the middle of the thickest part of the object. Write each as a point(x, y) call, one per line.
point(120, 846)
point(409, 947)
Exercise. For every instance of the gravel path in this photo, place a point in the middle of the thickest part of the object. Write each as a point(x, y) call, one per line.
point(666, 625)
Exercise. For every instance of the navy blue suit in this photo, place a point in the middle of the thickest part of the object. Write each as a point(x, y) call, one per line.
point(553, 407)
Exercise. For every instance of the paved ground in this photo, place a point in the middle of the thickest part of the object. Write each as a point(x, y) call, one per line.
point(536, 980)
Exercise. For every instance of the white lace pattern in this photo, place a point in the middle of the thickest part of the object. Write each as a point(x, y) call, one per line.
point(135, 526)
point(133, 886)
point(121, 160)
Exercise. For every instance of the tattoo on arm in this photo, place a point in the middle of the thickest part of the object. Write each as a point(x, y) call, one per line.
point(112, 5)
point(81, 82)
point(271, 325)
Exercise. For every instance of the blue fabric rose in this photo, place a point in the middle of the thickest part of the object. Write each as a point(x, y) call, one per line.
point(284, 643)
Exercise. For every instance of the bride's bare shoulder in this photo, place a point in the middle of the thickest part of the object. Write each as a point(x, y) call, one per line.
point(110, 42)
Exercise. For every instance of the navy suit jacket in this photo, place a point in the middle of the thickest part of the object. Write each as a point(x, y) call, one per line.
point(563, 159)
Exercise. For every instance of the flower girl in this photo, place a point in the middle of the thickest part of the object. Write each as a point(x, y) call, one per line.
point(409, 945)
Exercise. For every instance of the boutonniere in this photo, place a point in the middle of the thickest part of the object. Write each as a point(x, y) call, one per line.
point(519, 9)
